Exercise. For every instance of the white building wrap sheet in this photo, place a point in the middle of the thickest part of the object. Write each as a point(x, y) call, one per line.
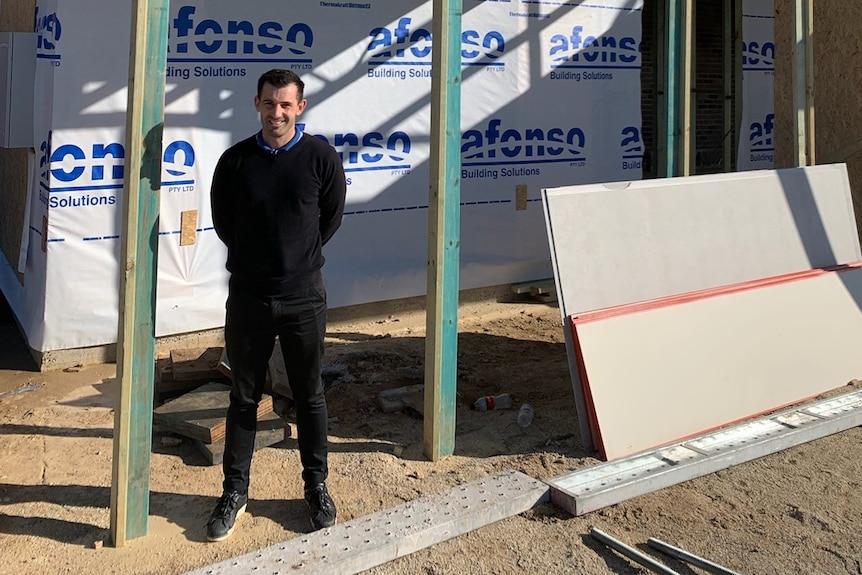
point(756, 145)
point(550, 97)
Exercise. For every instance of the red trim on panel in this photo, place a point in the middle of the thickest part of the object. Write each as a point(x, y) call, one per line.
point(589, 404)
point(706, 293)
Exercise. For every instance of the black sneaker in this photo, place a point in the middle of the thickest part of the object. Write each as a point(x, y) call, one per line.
point(231, 505)
point(320, 506)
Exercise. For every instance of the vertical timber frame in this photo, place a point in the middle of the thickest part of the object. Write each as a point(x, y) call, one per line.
point(803, 82)
point(133, 417)
point(441, 312)
point(678, 53)
point(662, 96)
point(732, 72)
point(727, 62)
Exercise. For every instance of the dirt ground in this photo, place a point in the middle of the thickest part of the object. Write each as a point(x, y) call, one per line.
point(797, 511)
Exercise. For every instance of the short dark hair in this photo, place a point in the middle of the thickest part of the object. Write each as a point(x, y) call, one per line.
point(281, 78)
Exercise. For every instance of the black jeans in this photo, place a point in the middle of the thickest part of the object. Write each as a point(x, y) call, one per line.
point(251, 325)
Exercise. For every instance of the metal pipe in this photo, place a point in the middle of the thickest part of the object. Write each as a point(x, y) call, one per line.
point(631, 553)
point(708, 566)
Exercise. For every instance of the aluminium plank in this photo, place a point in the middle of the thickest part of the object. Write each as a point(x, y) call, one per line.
point(697, 364)
point(587, 490)
point(371, 540)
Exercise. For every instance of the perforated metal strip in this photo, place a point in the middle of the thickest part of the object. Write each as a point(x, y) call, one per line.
point(368, 541)
point(608, 483)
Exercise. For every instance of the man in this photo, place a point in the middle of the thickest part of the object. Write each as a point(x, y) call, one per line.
point(277, 197)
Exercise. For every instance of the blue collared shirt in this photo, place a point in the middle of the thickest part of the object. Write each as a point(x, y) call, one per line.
point(284, 148)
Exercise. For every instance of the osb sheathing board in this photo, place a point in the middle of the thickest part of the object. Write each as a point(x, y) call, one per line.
point(15, 16)
point(837, 77)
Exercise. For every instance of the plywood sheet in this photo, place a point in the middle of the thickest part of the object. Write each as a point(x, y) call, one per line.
point(196, 364)
point(665, 372)
point(271, 429)
point(200, 414)
point(614, 244)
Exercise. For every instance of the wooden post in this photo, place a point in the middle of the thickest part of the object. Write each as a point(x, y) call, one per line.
point(133, 418)
point(727, 61)
point(803, 81)
point(441, 323)
point(663, 124)
point(678, 89)
point(689, 87)
point(732, 83)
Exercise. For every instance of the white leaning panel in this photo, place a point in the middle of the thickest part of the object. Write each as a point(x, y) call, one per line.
point(665, 373)
point(613, 244)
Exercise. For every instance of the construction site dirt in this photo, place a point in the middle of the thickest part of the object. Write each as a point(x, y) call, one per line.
point(795, 511)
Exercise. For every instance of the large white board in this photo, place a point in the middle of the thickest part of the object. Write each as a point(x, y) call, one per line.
point(618, 243)
point(679, 368)
point(614, 244)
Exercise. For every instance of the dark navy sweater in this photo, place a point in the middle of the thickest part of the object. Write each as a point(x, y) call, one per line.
point(275, 211)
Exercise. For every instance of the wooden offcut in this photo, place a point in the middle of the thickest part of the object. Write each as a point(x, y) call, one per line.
point(188, 227)
point(200, 414)
point(166, 385)
point(196, 364)
point(271, 429)
point(521, 197)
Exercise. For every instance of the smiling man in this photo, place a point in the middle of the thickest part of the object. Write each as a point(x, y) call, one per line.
point(277, 197)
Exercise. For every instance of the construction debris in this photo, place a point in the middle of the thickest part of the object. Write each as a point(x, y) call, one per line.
point(200, 414)
point(543, 290)
point(186, 369)
point(196, 383)
point(410, 398)
point(271, 429)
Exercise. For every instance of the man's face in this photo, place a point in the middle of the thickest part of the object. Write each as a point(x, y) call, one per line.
point(278, 109)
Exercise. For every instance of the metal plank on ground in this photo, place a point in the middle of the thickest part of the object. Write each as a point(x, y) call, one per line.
point(365, 542)
point(609, 483)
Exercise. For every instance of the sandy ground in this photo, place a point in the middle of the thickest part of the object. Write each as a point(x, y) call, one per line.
point(798, 511)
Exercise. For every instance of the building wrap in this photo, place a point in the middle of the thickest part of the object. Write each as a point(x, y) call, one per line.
point(756, 141)
point(550, 96)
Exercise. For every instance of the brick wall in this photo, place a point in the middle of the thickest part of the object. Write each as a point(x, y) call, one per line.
point(708, 97)
point(708, 100)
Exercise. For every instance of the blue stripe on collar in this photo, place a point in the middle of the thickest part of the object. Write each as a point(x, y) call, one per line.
point(284, 148)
